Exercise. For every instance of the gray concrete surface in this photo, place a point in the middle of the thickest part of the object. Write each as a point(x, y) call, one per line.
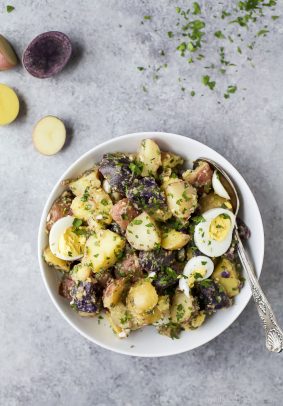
point(42, 360)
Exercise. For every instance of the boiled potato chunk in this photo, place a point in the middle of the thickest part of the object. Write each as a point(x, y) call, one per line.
point(94, 203)
point(195, 322)
point(9, 105)
point(213, 201)
point(114, 292)
point(226, 275)
point(182, 308)
point(120, 320)
point(81, 273)
point(161, 215)
point(170, 160)
point(158, 315)
point(142, 297)
point(143, 234)
point(181, 199)
point(174, 240)
point(102, 250)
point(49, 135)
point(150, 156)
point(87, 181)
point(57, 263)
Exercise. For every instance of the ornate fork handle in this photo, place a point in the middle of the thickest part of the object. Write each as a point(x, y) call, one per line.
point(273, 333)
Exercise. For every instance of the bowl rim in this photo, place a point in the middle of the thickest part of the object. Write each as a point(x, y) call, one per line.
point(41, 230)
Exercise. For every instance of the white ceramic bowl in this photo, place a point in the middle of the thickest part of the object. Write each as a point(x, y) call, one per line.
point(147, 342)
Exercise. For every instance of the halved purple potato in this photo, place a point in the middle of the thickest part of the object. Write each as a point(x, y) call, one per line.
point(47, 54)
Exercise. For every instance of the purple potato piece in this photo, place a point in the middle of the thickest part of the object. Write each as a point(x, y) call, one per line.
point(210, 295)
point(155, 261)
point(86, 297)
point(115, 168)
point(47, 54)
point(145, 194)
point(243, 230)
point(232, 253)
point(167, 278)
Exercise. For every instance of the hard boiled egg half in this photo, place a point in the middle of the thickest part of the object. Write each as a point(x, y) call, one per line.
point(213, 236)
point(64, 242)
point(218, 188)
point(196, 269)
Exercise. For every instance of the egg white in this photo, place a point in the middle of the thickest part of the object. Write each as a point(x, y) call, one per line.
point(194, 264)
point(218, 188)
point(204, 241)
point(56, 231)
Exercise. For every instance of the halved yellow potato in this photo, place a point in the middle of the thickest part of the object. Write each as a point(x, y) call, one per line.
point(49, 135)
point(9, 105)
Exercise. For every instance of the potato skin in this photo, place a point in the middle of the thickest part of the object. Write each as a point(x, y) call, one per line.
point(60, 208)
point(199, 177)
point(65, 287)
point(123, 213)
point(8, 58)
point(114, 292)
point(129, 268)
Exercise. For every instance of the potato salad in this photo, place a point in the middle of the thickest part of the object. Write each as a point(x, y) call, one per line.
point(142, 240)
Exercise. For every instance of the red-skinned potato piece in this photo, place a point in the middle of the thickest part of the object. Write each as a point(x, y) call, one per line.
point(129, 267)
point(8, 58)
point(200, 176)
point(60, 208)
point(123, 213)
point(65, 287)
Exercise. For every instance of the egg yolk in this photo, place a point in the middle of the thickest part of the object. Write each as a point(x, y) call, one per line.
point(220, 227)
point(194, 276)
point(71, 244)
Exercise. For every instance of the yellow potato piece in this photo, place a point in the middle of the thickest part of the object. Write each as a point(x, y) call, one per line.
point(174, 240)
point(49, 135)
point(9, 105)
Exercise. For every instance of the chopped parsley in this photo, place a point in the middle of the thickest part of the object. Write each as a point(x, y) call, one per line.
point(206, 81)
point(85, 195)
point(10, 8)
point(192, 37)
